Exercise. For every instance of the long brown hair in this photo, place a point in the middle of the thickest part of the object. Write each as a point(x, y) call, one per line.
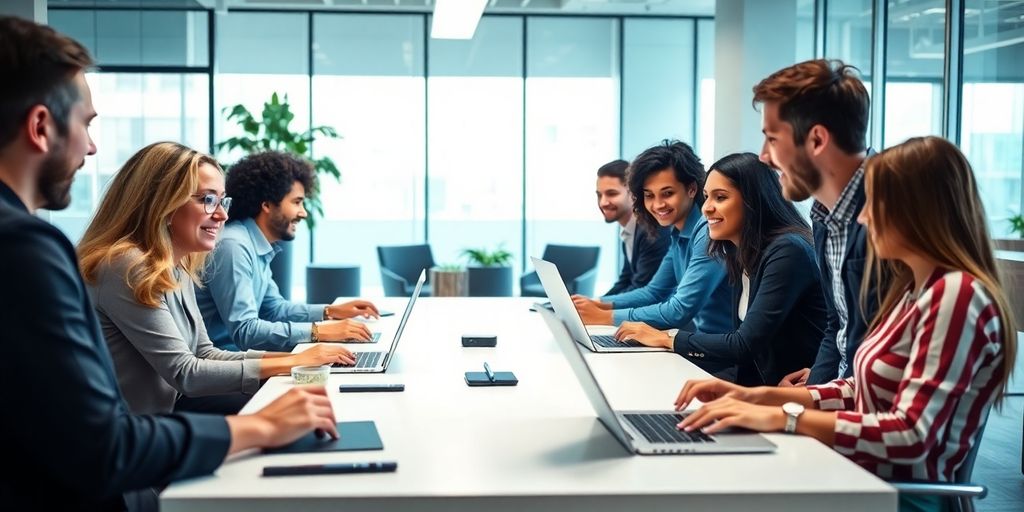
point(929, 178)
point(134, 215)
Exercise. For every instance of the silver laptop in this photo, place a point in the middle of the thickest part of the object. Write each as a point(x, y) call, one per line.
point(561, 301)
point(378, 361)
point(648, 432)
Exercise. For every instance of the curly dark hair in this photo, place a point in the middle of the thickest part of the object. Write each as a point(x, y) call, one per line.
point(266, 178)
point(670, 154)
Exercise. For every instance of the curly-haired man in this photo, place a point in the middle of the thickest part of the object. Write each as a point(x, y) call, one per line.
point(241, 305)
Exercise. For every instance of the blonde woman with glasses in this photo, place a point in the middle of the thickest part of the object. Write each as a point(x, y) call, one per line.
point(936, 357)
point(140, 258)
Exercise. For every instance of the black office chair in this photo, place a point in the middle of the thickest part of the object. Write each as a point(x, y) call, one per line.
point(400, 267)
point(576, 263)
point(960, 493)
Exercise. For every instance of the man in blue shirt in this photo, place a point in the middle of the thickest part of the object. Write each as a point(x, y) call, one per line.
point(241, 304)
point(690, 285)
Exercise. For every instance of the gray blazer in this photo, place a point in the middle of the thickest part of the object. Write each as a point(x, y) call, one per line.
point(162, 353)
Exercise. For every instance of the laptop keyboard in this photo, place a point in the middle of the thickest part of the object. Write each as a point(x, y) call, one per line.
point(374, 339)
point(607, 340)
point(363, 360)
point(661, 428)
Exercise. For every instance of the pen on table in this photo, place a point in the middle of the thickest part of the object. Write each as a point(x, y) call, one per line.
point(487, 370)
point(329, 469)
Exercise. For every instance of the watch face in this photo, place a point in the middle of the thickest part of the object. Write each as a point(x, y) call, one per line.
point(792, 408)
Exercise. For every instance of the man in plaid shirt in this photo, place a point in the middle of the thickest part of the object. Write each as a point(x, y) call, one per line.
point(814, 119)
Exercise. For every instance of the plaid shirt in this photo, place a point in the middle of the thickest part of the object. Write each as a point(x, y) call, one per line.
point(837, 223)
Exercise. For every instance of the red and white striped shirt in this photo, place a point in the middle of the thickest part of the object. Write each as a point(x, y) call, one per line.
point(923, 382)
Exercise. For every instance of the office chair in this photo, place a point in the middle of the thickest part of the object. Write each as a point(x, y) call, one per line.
point(576, 263)
point(961, 492)
point(400, 266)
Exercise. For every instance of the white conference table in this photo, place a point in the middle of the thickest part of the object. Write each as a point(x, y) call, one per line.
point(537, 445)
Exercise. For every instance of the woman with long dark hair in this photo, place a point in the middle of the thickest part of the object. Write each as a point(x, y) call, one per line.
point(779, 311)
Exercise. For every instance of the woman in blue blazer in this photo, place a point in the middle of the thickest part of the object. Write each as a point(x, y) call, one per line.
point(779, 312)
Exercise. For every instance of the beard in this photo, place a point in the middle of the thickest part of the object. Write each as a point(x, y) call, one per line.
point(611, 216)
point(281, 226)
point(55, 179)
point(802, 179)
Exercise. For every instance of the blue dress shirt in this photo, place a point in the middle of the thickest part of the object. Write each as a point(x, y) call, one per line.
point(689, 285)
point(240, 302)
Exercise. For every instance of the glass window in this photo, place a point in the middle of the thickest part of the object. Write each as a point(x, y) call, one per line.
point(705, 129)
point(135, 109)
point(572, 120)
point(657, 83)
point(259, 54)
point(992, 129)
point(368, 85)
point(138, 37)
point(914, 69)
point(804, 36)
point(476, 141)
point(848, 33)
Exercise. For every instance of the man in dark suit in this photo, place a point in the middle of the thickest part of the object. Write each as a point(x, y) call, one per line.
point(814, 119)
point(641, 252)
point(70, 441)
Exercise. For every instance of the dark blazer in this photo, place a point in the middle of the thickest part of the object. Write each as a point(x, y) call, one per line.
point(648, 251)
point(784, 323)
point(68, 436)
point(826, 365)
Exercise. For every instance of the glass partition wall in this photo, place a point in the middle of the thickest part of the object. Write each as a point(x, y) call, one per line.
point(492, 142)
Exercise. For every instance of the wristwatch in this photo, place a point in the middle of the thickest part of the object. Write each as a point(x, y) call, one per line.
point(793, 411)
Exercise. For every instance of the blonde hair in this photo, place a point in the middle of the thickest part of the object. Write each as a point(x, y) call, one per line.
point(929, 178)
point(134, 216)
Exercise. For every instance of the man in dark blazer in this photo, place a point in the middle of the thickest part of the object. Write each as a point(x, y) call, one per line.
point(70, 442)
point(814, 118)
point(642, 252)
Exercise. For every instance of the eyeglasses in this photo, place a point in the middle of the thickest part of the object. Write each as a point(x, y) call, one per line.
point(211, 201)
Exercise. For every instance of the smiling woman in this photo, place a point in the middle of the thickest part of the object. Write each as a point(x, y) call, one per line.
point(141, 258)
point(778, 311)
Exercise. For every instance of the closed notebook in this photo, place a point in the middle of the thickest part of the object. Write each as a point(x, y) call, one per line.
point(354, 436)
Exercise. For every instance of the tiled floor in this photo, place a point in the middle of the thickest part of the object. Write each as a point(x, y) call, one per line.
point(999, 461)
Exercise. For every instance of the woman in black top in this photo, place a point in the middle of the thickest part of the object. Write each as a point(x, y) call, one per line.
point(779, 314)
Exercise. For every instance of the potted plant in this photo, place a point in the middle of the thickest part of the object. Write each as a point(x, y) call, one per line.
point(1015, 241)
point(449, 280)
point(490, 272)
point(271, 132)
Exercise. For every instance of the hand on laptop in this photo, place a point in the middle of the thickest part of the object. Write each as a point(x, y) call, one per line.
point(729, 412)
point(352, 309)
point(645, 334)
point(709, 390)
point(320, 354)
point(338, 330)
point(591, 311)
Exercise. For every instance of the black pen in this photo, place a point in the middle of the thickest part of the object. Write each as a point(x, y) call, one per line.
point(331, 469)
point(487, 370)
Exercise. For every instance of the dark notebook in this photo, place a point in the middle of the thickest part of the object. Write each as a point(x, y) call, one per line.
point(354, 436)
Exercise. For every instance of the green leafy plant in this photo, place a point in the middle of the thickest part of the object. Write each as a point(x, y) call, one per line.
point(485, 258)
point(271, 132)
point(449, 267)
point(1017, 224)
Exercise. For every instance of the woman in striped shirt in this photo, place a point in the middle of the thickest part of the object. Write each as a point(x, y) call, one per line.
point(937, 356)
